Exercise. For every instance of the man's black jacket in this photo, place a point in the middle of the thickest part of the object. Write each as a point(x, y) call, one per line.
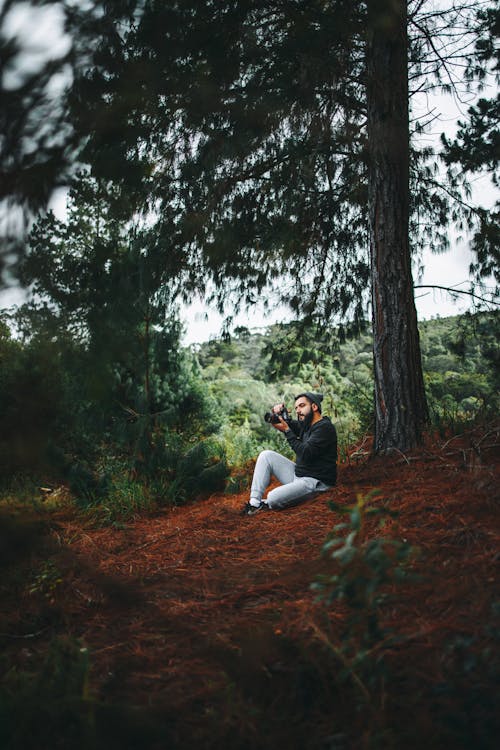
point(315, 448)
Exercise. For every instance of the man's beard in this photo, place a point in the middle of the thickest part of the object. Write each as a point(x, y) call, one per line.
point(306, 422)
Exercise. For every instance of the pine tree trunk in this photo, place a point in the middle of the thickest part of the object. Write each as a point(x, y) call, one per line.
point(400, 403)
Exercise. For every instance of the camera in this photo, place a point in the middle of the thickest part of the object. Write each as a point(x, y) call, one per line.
point(273, 418)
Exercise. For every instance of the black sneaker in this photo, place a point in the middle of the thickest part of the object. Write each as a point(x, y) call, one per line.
point(251, 510)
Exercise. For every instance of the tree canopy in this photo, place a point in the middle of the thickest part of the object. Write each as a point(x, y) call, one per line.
point(246, 146)
point(244, 126)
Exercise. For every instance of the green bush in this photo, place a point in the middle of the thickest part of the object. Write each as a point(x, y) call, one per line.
point(199, 471)
point(364, 567)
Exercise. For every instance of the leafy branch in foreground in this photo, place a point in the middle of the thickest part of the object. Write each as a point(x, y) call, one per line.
point(364, 570)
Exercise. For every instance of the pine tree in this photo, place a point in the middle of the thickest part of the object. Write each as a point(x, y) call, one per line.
point(400, 403)
point(92, 279)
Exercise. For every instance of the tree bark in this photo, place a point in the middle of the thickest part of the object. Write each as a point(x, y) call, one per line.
point(400, 402)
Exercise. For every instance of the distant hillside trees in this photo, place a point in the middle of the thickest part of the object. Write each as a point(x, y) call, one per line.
point(461, 364)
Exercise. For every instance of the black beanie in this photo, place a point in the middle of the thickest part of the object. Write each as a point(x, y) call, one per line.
point(315, 398)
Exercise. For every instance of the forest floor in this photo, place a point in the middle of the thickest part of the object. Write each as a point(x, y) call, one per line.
point(197, 626)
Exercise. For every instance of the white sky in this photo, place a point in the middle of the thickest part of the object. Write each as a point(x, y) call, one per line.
point(39, 31)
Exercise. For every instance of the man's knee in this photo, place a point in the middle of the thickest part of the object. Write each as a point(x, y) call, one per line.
point(266, 457)
point(267, 454)
point(263, 466)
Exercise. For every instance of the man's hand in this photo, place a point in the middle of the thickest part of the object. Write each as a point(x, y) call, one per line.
point(282, 426)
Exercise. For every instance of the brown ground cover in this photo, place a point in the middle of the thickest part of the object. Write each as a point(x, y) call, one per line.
point(202, 629)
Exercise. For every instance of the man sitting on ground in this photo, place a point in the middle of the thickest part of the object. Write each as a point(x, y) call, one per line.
point(314, 440)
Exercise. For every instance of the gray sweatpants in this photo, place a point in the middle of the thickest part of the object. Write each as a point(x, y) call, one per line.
point(293, 490)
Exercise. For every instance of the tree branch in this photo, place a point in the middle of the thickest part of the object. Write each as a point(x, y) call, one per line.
point(452, 290)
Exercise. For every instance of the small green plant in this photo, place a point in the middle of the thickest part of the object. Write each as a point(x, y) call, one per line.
point(240, 444)
point(364, 570)
point(46, 580)
point(126, 499)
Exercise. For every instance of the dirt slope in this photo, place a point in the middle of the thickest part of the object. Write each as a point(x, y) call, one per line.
point(202, 628)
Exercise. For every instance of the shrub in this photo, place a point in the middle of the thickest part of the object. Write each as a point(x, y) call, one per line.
point(199, 471)
point(364, 568)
